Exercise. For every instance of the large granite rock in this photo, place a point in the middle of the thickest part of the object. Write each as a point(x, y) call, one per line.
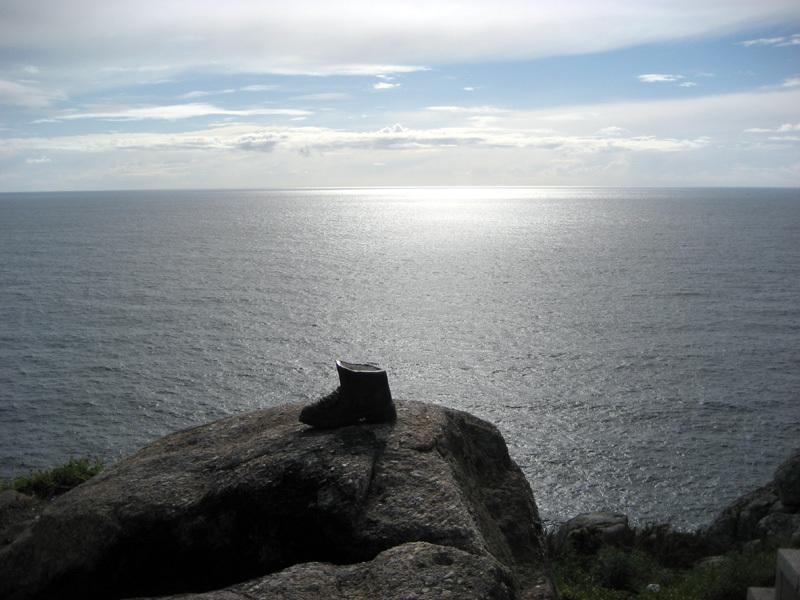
point(260, 506)
point(770, 512)
point(417, 570)
point(17, 512)
point(587, 532)
point(787, 480)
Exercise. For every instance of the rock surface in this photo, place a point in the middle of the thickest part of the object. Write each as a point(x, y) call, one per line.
point(787, 480)
point(770, 512)
point(17, 512)
point(588, 531)
point(438, 572)
point(260, 506)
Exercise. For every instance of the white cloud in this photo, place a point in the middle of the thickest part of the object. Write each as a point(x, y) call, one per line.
point(469, 88)
point(206, 93)
point(612, 131)
point(31, 69)
point(396, 137)
point(40, 160)
point(791, 82)
point(323, 38)
point(659, 77)
point(203, 94)
point(687, 84)
point(568, 116)
point(785, 128)
point(785, 138)
point(385, 85)
point(176, 112)
point(691, 141)
point(468, 109)
point(30, 96)
point(396, 128)
point(324, 97)
point(258, 87)
point(780, 41)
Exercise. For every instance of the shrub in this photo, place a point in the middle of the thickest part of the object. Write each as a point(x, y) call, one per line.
point(53, 482)
point(671, 548)
point(614, 569)
point(668, 559)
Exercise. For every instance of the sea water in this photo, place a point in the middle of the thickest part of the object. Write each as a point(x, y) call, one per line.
point(639, 349)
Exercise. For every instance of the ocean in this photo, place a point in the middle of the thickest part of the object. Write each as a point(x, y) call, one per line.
point(639, 349)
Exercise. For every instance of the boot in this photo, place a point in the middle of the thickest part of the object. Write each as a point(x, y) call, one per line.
point(363, 395)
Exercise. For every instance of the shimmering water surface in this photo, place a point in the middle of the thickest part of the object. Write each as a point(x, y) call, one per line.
point(638, 348)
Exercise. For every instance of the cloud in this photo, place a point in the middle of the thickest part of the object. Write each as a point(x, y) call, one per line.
point(37, 160)
point(569, 116)
point(469, 88)
point(687, 84)
point(31, 69)
point(467, 109)
point(393, 129)
point(395, 137)
point(178, 111)
point(612, 131)
point(780, 41)
point(785, 128)
point(385, 85)
point(258, 87)
point(324, 97)
point(687, 141)
point(247, 88)
point(785, 138)
point(317, 37)
point(203, 94)
point(659, 77)
point(26, 95)
point(791, 82)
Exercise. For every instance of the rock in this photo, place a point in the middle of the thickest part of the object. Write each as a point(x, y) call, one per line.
point(771, 512)
point(260, 506)
point(714, 561)
point(588, 531)
point(437, 572)
point(787, 480)
point(779, 528)
point(753, 546)
point(17, 511)
point(739, 521)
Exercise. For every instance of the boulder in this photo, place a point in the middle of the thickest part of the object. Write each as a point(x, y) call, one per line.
point(17, 512)
point(787, 480)
point(417, 570)
point(770, 513)
point(261, 506)
point(588, 531)
point(779, 528)
point(739, 521)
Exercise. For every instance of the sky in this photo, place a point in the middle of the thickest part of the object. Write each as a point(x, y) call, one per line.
point(168, 94)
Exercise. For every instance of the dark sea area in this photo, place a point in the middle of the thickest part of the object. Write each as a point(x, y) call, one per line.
point(639, 349)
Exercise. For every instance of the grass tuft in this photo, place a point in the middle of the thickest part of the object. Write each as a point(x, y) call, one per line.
point(53, 482)
point(625, 573)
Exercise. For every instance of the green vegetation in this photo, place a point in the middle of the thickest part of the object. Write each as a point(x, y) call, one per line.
point(670, 560)
point(50, 483)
